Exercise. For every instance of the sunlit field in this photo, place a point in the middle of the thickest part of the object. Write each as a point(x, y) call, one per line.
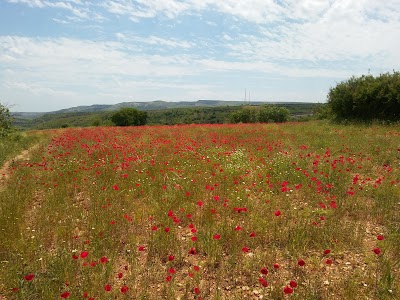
point(262, 211)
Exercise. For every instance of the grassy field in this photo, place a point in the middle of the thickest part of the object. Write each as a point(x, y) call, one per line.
point(289, 211)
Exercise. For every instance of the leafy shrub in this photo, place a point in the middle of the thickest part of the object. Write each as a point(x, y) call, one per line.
point(5, 120)
point(367, 98)
point(129, 117)
point(263, 114)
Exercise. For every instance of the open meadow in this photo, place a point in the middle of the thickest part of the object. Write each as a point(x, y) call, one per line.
point(245, 211)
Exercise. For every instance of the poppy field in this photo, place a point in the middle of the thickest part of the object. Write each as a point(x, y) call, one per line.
point(244, 211)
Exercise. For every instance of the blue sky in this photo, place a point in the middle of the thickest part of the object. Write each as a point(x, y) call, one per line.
point(65, 53)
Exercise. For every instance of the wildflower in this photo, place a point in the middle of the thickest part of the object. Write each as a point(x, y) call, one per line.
point(65, 295)
point(171, 258)
point(107, 287)
point(264, 271)
point(29, 277)
point(287, 290)
point(141, 248)
point(124, 289)
point(276, 266)
point(293, 284)
point(328, 261)
point(84, 254)
point(216, 236)
point(278, 213)
point(263, 282)
point(301, 262)
point(327, 251)
point(377, 251)
point(252, 234)
point(196, 290)
point(104, 260)
point(380, 237)
point(245, 249)
point(192, 251)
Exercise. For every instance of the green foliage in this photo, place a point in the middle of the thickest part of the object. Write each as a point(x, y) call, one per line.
point(272, 113)
point(129, 117)
point(367, 98)
point(263, 114)
point(5, 120)
point(322, 111)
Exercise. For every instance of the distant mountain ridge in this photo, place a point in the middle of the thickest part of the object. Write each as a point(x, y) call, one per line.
point(152, 105)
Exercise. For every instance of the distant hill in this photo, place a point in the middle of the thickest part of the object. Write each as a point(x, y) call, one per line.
point(159, 112)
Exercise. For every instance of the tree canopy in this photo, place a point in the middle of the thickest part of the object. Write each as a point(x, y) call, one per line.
point(366, 98)
point(263, 114)
point(5, 120)
point(129, 117)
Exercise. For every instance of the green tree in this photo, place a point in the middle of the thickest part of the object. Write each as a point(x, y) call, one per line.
point(245, 115)
point(5, 120)
point(366, 98)
point(129, 117)
point(273, 113)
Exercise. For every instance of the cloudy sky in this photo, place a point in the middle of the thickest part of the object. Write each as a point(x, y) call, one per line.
point(56, 54)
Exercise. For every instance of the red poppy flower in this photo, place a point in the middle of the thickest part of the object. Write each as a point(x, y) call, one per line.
point(141, 248)
point(171, 257)
point(252, 234)
point(196, 268)
point(84, 254)
point(124, 289)
point(192, 251)
point(104, 260)
point(329, 261)
point(237, 228)
point(293, 284)
point(65, 295)
point(29, 277)
point(377, 251)
point(194, 238)
point(168, 278)
point(263, 282)
point(115, 187)
point(15, 290)
point(107, 287)
point(166, 229)
point(171, 271)
point(196, 290)
point(119, 275)
point(264, 271)
point(276, 266)
point(287, 290)
point(278, 213)
point(380, 237)
point(216, 236)
point(245, 249)
point(327, 251)
point(301, 262)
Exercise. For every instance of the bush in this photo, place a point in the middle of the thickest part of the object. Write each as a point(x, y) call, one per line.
point(366, 98)
point(263, 114)
point(5, 120)
point(129, 117)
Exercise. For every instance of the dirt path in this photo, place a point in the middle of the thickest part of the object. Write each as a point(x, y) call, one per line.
point(5, 170)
